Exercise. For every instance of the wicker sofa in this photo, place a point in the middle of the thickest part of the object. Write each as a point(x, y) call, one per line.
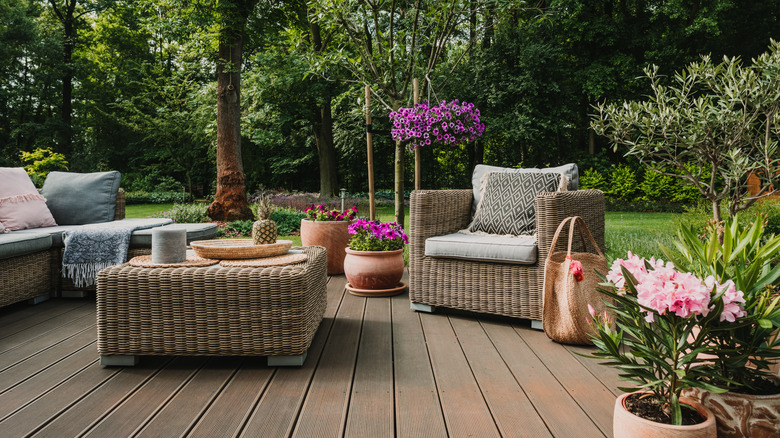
point(514, 290)
point(31, 259)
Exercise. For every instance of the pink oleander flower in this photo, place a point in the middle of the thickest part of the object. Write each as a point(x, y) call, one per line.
point(733, 299)
point(633, 264)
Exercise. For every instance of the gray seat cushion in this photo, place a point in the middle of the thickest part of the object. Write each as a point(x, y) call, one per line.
point(143, 238)
point(18, 244)
point(81, 198)
point(487, 248)
point(55, 233)
point(139, 238)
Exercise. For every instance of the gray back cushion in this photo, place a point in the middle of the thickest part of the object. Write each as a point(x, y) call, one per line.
point(508, 203)
point(81, 198)
point(569, 170)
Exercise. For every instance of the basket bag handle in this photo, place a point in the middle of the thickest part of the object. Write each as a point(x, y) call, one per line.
point(584, 231)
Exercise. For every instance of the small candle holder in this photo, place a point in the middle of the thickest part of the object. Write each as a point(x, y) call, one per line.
point(169, 245)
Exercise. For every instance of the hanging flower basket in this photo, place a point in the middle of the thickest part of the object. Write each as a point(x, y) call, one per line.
point(450, 123)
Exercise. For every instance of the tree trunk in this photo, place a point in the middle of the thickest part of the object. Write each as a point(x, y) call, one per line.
point(716, 211)
point(323, 134)
point(323, 131)
point(66, 16)
point(67, 84)
point(399, 183)
point(230, 202)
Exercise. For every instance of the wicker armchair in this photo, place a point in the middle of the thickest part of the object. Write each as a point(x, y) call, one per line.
point(488, 287)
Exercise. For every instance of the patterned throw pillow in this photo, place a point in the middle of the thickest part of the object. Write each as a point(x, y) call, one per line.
point(508, 204)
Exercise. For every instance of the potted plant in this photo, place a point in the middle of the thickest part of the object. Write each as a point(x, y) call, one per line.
point(733, 251)
point(328, 228)
point(450, 123)
point(655, 333)
point(374, 263)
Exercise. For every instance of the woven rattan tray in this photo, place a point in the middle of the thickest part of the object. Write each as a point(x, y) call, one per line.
point(282, 260)
point(235, 249)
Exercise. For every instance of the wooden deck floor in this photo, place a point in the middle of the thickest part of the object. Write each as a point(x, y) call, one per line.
point(375, 369)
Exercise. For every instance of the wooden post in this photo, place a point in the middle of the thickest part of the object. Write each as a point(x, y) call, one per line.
point(370, 157)
point(417, 165)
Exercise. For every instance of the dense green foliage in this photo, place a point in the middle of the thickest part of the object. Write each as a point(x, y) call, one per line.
point(144, 86)
point(627, 186)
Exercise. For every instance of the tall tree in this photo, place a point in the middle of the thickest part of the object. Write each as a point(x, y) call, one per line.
point(230, 201)
point(69, 13)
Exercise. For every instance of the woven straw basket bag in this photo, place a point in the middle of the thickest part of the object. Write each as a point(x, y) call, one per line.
point(568, 292)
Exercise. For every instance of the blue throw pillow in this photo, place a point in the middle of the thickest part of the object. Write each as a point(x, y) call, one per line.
point(81, 198)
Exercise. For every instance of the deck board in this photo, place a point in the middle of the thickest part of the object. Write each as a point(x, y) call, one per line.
point(92, 408)
point(418, 409)
point(375, 369)
point(512, 410)
point(465, 410)
point(371, 406)
point(325, 409)
point(558, 410)
point(21, 332)
point(130, 416)
point(31, 366)
point(277, 410)
point(584, 388)
point(41, 344)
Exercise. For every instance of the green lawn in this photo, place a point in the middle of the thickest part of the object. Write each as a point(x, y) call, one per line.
point(640, 233)
point(145, 210)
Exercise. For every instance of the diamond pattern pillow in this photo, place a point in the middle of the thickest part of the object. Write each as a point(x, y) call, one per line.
point(508, 204)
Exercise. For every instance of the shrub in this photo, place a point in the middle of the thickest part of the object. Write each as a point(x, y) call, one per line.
point(243, 228)
point(288, 221)
point(42, 161)
point(622, 183)
point(592, 179)
point(186, 213)
point(142, 197)
point(656, 187)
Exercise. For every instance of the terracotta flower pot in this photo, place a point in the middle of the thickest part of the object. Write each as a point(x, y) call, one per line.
point(333, 235)
point(742, 415)
point(374, 273)
point(627, 425)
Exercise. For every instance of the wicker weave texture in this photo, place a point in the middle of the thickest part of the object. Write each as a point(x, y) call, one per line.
point(24, 277)
point(211, 311)
point(119, 208)
point(485, 287)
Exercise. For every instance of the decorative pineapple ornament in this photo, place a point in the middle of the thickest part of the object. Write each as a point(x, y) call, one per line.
point(264, 230)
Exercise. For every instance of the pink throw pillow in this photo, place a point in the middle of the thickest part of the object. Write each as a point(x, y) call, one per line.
point(21, 206)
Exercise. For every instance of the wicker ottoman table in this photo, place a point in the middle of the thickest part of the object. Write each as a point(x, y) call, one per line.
point(211, 311)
